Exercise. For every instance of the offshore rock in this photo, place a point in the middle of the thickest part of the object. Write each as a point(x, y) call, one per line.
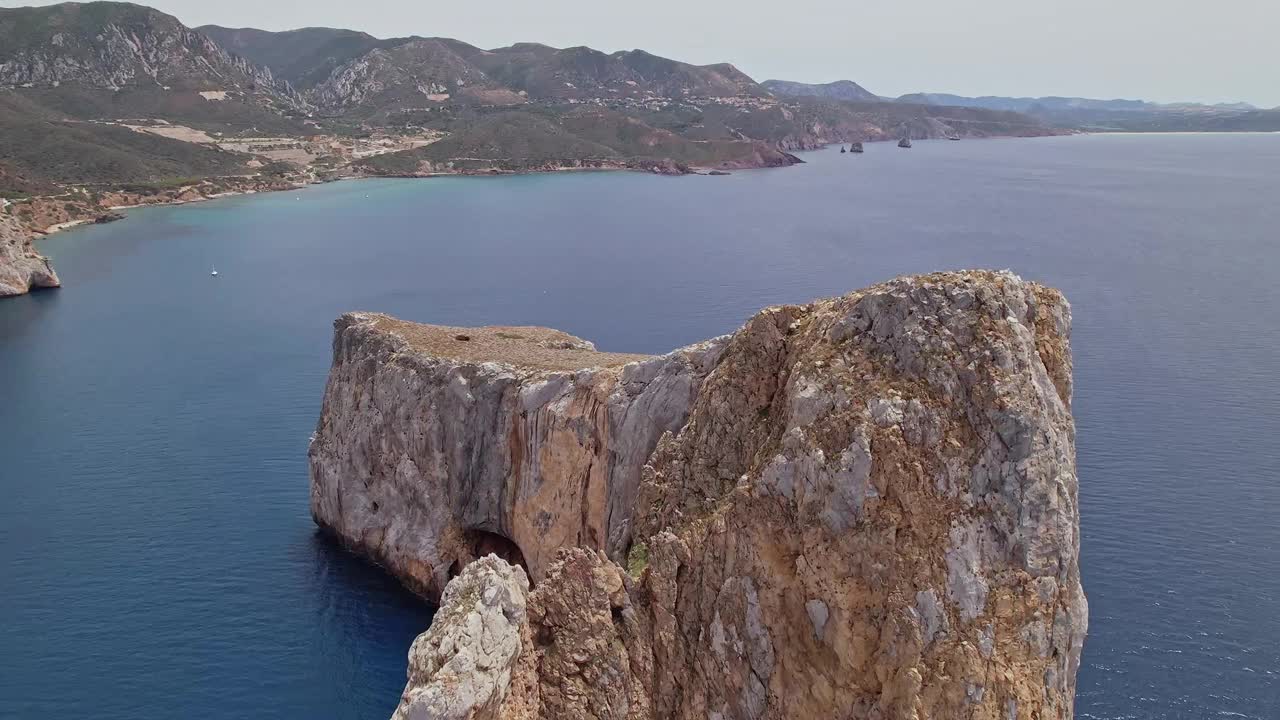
point(21, 267)
point(868, 509)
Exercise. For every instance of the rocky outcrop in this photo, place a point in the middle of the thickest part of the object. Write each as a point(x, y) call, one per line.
point(21, 267)
point(872, 513)
point(868, 508)
point(438, 445)
point(462, 667)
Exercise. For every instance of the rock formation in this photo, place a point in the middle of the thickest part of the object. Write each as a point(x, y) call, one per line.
point(21, 267)
point(863, 507)
point(462, 667)
point(433, 449)
point(855, 147)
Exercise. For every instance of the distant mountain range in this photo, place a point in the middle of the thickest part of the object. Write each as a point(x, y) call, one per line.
point(1053, 103)
point(338, 67)
point(102, 94)
point(846, 90)
point(1131, 115)
point(1066, 112)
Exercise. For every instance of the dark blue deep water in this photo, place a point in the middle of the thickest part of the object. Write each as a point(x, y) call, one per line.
point(157, 559)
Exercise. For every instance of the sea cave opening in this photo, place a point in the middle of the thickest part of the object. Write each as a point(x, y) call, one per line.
point(482, 542)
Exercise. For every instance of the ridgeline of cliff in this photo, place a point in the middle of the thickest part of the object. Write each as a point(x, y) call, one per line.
point(860, 507)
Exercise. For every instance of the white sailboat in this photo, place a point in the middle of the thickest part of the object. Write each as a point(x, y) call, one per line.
point(215, 272)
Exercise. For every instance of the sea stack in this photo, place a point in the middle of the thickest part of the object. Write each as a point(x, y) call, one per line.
point(864, 506)
point(22, 269)
point(904, 143)
point(855, 147)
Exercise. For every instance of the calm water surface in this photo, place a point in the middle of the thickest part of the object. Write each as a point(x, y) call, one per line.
point(157, 559)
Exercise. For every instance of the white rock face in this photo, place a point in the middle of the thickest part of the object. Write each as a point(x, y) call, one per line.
point(21, 267)
point(428, 455)
point(461, 668)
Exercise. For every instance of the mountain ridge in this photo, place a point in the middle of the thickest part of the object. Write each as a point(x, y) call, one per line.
point(113, 46)
point(1118, 114)
point(837, 90)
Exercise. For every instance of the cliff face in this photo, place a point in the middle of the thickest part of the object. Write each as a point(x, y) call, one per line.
point(872, 512)
point(866, 509)
point(433, 450)
point(21, 267)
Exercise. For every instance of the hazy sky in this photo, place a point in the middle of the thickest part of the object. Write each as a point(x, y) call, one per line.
point(1161, 50)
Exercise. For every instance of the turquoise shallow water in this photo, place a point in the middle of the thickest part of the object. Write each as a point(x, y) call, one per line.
point(156, 555)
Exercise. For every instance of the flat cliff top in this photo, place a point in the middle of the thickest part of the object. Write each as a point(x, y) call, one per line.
point(535, 348)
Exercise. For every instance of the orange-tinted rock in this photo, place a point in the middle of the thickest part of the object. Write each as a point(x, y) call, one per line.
point(869, 510)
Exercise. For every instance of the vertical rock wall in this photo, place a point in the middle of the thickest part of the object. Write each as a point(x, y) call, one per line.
point(864, 507)
point(429, 454)
point(872, 512)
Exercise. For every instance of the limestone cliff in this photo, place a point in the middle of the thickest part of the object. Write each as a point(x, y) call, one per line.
point(21, 267)
point(865, 508)
point(438, 445)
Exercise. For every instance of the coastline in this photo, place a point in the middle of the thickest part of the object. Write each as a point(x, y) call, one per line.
point(160, 200)
point(189, 194)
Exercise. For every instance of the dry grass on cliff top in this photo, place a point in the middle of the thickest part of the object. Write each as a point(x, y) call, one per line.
point(535, 348)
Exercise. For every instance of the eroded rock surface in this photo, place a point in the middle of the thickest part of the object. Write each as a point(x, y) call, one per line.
point(21, 267)
point(868, 509)
point(872, 513)
point(461, 667)
point(439, 445)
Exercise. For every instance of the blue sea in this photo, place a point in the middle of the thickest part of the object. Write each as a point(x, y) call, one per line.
point(157, 558)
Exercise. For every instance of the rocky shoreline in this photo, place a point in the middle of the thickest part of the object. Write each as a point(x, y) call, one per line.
point(22, 269)
point(44, 216)
point(54, 214)
point(860, 507)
